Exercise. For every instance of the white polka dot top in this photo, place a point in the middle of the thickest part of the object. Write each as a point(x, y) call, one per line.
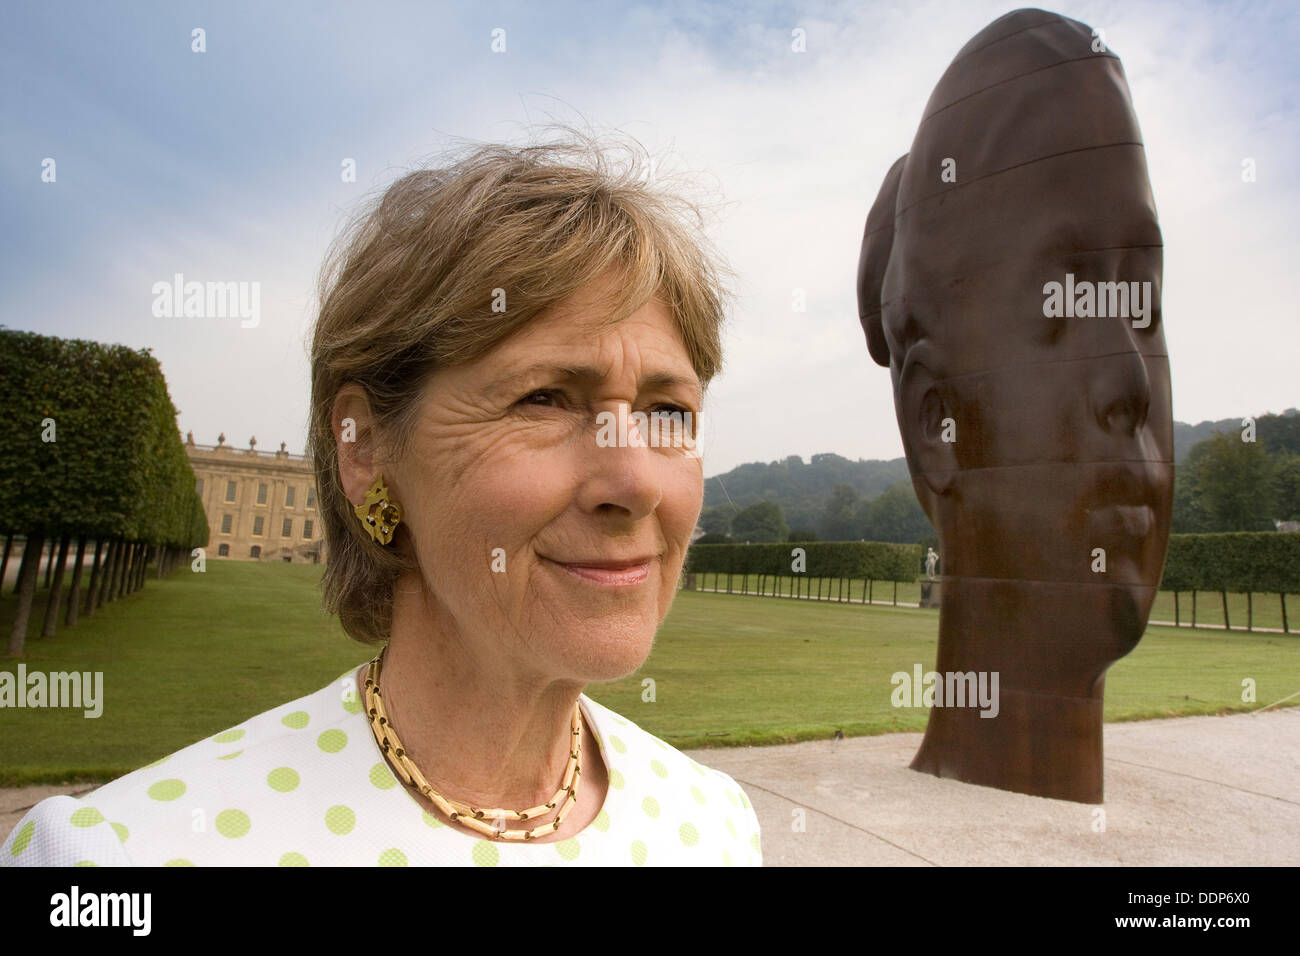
point(305, 784)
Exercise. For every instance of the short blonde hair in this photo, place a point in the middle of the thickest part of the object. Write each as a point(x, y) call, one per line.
point(409, 288)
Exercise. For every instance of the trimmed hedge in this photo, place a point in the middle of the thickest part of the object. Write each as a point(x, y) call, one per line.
point(861, 560)
point(115, 472)
point(1240, 562)
point(117, 467)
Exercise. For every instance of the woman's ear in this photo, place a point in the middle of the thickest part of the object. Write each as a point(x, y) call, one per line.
point(352, 422)
point(929, 427)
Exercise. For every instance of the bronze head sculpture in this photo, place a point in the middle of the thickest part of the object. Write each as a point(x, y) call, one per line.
point(1010, 280)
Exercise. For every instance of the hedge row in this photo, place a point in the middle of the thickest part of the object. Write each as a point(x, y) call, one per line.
point(1242, 562)
point(89, 449)
point(861, 560)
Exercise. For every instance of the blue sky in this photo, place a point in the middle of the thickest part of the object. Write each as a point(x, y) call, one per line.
point(225, 165)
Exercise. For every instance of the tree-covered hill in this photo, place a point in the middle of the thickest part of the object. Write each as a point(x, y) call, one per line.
point(801, 488)
point(807, 495)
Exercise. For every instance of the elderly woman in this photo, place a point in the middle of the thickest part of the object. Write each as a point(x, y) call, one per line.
point(475, 327)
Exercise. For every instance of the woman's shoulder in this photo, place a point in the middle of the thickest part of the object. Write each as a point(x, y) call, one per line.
point(202, 796)
point(668, 783)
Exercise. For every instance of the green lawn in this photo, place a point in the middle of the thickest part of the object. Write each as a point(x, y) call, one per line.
point(194, 654)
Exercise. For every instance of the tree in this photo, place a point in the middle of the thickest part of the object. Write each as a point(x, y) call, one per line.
point(1189, 514)
point(716, 519)
point(895, 516)
point(1235, 484)
point(760, 522)
point(837, 518)
point(1280, 433)
point(1287, 488)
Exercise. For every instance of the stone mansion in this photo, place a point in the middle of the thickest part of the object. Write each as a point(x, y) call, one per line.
point(261, 505)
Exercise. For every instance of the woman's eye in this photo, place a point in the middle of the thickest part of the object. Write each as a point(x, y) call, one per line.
point(541, 396)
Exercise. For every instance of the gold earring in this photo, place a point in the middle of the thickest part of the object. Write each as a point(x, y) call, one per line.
point(377, 514)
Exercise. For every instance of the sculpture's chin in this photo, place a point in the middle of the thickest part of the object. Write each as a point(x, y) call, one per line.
point(1128, 608)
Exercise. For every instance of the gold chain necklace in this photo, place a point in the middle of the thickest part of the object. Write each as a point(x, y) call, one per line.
point(566, 797)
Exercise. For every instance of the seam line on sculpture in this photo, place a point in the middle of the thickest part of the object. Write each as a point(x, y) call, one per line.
point(1121, 353)
point(1218, 783)
point(1050, 464)
point(831, 816)
point(1027, 162)
point(1015, 33)
point(1012, 79)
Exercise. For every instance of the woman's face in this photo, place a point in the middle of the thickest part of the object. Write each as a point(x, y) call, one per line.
point(535, 542)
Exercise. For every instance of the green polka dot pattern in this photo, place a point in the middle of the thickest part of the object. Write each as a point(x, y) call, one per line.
point(23, 838)
point(310, 781)
point(382, 777)
point(332, 741)
point(340, 819)
point(283, 779)
point(86, 817)
point(233, 824)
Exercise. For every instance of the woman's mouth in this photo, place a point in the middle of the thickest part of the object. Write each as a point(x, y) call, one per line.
point(617, 573)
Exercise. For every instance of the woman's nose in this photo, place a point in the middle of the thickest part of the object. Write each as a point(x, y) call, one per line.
point(622, 468)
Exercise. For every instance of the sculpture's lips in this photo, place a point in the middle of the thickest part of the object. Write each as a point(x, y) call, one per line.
point(1132, 521)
